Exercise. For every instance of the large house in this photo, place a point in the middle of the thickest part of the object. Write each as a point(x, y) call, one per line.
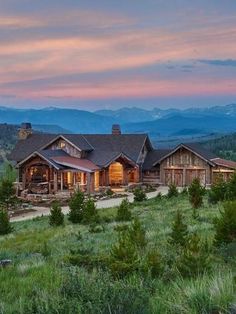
point(49, 163)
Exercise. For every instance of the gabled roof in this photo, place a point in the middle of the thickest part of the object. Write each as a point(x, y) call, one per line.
point(76, 140)
point(100, 147)
point(153, 157)
point(129, 144)
point(195, 148)
point(46, 155)
point(33, 143)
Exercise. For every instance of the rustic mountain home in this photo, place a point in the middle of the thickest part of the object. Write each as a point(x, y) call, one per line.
point(49, 163)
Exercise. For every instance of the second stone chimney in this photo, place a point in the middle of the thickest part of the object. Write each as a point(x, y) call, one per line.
point(25, 131)
point(116, 129)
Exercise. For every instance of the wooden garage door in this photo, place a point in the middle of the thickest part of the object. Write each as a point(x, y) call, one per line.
point(192, 174)
point(174, 176)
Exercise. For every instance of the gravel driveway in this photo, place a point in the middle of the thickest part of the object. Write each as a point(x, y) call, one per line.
point(44, 211)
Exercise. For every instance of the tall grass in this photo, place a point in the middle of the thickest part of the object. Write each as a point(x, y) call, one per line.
point(39, 280)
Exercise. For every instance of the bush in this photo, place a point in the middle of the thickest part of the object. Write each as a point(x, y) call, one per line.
point(195, 259)
point(56, 217)
point(124, 213)
point(94, 228)
point(137, 234)
point(5, 226)
point(89, 212)
point(87, 260)
point(121, 227)
point(196, 193)
point(218, 191)
point(98, 292)
point(179, 232)
point(76, 205)
point(139, 195)
point(172, 191)
point(225, 225)
point(231, 189)
point(109, 192)
point(184, 191)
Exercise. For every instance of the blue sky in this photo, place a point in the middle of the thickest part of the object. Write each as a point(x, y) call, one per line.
point(110, 54)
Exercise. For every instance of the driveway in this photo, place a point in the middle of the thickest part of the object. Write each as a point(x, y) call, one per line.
point(113, 202)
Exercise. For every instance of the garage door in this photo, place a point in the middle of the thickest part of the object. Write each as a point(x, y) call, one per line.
point(174, 176)
point(192, 174)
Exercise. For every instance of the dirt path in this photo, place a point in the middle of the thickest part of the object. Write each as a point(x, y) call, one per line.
point(44, 211)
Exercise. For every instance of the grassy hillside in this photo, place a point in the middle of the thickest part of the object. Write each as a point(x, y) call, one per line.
point(42, 281)
point(224, 147)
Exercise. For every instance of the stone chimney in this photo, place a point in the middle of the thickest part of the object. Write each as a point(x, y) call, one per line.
point(25, 131)
point(116, 129)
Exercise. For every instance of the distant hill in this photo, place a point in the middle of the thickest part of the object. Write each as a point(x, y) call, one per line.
point(173, 125)
point(77, 121)
point(156, 122)
point(224, 146)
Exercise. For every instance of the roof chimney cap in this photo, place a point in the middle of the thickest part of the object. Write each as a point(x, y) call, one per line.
point(116, 129)
point(25, 131)
point(26, 126)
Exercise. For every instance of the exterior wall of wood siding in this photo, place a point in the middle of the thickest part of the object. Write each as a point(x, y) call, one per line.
point(182, 167)
point(68, 148)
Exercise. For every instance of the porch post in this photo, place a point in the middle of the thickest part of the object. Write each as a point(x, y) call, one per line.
point(61, 181)
point(23, 179)
point(125, 176)
point(107, 177)
point(49, 180)
point(88, 182)
point(55, 187)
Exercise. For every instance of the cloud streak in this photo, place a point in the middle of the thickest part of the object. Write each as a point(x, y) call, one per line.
point(96, 54)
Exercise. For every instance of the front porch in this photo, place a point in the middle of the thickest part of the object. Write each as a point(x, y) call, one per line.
point(40, 177)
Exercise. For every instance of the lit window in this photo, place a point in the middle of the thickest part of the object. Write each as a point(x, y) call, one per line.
point(62, 144)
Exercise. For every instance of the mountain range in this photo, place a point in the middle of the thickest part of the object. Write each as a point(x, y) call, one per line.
point(161, 124)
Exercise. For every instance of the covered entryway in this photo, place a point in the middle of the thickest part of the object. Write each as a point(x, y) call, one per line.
point(116, 174)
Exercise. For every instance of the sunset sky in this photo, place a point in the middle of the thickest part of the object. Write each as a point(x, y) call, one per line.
point(109, 54)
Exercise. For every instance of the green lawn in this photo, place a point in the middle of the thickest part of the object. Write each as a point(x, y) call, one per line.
point(40, 281)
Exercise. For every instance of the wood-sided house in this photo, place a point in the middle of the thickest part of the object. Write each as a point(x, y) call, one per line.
point(49, 163)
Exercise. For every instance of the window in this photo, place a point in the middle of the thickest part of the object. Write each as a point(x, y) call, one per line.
point(62, 144)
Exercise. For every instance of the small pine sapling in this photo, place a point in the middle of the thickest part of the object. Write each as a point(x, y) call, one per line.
point(124, 213)
point(56, 217)
point(179, 231)
point(76, 205)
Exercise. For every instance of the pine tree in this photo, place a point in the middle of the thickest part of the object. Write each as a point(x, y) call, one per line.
point(196, 193)
point(231, 188)
point(124, 213)
point(76, 205)
point(218, 190)
point(5, 226)
point(123, 256)
point(56, 217)
point(196, 258)
point(179, 231)
point(172, 191)
point(7, 193)
point(139, 195)
point(89, 212)
point(137, 234)
point(225, 225)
